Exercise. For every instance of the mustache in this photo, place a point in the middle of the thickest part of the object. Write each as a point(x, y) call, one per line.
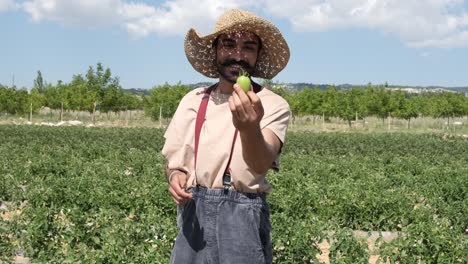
point(243, 64)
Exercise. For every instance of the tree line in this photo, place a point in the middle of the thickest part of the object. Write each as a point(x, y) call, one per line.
point(359, 103)
point(98, 90)
point(95, 90)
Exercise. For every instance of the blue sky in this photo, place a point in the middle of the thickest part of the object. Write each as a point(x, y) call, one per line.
point(402, 42)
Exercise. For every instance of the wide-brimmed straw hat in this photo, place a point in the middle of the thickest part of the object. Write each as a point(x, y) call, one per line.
point(273, 56)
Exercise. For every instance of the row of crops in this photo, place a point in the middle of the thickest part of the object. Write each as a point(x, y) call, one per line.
point(98, 195)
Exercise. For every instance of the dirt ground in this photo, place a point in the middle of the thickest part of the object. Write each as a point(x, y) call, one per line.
point(386, 236)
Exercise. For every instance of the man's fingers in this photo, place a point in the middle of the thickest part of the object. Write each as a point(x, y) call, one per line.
point(244, 99)
point(239, 106)
point(179, 202)
point(174, 194)
point(177, 198)
point(178, 185)
point(177, 188)
point(256, 102)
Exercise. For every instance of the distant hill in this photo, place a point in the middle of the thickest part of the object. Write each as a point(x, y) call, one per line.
point(294, 87)
point(200, 84)
point(137, 91)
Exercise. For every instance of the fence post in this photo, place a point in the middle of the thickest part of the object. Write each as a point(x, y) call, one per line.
point(61, 112)
point(160, 116)
point(30, 113)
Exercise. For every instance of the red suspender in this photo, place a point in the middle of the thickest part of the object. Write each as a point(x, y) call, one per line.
point(199, 124)
point(201, 119)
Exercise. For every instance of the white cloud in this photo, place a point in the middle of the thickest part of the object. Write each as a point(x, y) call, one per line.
point(139, 19)
point(76, 13)
point(6, 5)
point(418, 23)
point(176, 17)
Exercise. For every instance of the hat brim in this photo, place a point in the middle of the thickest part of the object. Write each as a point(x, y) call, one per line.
point(273, 57)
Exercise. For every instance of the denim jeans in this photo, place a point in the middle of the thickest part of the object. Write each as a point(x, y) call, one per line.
point(223, 226)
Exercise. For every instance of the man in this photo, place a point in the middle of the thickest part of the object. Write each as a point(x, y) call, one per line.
point(222, 141)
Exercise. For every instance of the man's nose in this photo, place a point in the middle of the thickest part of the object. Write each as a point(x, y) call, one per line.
point(237, 54)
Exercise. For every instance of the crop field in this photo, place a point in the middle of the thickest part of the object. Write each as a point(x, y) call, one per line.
point(98, 195)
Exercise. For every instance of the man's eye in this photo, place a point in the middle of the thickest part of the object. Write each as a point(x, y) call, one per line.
point(229, 45)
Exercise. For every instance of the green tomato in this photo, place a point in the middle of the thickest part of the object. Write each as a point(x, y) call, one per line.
point(244, 82)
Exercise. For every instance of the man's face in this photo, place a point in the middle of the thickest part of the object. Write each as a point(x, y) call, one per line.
point(236, 52)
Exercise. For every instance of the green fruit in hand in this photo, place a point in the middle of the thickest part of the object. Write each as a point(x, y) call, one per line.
point(244, 82)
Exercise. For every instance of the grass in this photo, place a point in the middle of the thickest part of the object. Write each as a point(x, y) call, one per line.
point(137, 118)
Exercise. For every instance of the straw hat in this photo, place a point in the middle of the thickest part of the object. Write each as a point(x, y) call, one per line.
point(273, 56)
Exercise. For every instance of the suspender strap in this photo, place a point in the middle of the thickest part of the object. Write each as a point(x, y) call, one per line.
point(201, 118)
point(199, 124)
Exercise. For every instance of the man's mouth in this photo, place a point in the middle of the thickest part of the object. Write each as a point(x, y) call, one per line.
point(236, 67)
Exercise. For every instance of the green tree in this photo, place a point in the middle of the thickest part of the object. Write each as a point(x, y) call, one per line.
point(36, 100)
point(103, 90)
point(164, 99)
point(449, 105)
point(20, 102)
point(378, 102)
point(330, 102)
point(39, 83)
point(408, 108)
point(112, 99)
point(268, 83)
point(77, 94)
point(3, 96)
point(130, 102)
point(348, 105)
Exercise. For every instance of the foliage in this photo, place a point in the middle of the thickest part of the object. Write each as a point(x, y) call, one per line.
point(99, 195)
point(359, 103)
point(97, 89)
point(164, 100)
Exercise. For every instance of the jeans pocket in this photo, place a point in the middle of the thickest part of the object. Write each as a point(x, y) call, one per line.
point(261, 228)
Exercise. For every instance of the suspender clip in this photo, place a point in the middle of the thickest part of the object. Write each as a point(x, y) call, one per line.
point(227, 180)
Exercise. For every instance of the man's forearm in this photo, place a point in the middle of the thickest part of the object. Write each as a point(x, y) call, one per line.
point(256, 151)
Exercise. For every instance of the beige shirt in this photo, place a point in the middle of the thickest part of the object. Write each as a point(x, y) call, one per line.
point(216, 138)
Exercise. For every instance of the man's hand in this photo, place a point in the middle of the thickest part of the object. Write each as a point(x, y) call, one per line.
point(260, 147)
point(177, 186)
point(246, 108)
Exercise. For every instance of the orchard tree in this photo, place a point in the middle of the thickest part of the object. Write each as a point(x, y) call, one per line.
point(77, 97)
point(129, 101)
point(348, 105)
point(36, 100)
point(408, 109)
point(164, 99)
point(268, 83)
point(3, 98)
point(450, 105)
point(112, 99)
point(39, 83)
point(20, 102)
point(330, 102)
point(378, 102)
point(103, 89)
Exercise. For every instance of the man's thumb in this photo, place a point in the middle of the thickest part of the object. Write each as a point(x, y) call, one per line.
point(182, 180)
